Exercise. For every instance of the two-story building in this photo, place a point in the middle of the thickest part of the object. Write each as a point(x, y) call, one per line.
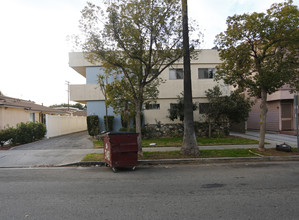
point(280, 117)
point(202, 73)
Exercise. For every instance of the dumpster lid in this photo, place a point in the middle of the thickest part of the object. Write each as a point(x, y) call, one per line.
point(119, 133)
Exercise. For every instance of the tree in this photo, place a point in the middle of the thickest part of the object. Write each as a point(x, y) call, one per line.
point(137, 39)
point(123, 102)
point(1, 93)
point(177, 110)
point(260, 53)
point(189, 141)
point(103, 82)
point(226, 109)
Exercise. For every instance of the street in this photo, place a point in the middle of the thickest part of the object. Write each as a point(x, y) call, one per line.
point(210, 191)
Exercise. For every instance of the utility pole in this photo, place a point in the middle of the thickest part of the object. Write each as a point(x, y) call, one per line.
point(68, 94)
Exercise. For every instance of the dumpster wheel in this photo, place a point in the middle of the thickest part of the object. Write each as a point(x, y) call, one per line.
point(133, 168)
point(114, 169)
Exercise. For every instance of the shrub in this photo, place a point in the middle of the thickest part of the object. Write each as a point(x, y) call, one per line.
point(39, 130)
point(110, 122)
point(24, 133)
point(29, 132)
point(7, 135)
point(93, 125)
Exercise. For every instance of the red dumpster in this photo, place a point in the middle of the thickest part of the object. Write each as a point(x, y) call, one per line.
point(120, 150)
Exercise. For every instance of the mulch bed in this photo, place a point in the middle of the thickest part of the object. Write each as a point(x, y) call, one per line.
point(6, 147)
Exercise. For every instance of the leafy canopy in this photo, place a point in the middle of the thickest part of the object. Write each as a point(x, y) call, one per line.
point(176, 110)
point(232, 108)
point(260, 50)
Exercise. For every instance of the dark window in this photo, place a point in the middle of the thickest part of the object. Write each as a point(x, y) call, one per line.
point(203, 108)
point(173, 105)
point(206, 73)
point(152, 106)
point(176, 74)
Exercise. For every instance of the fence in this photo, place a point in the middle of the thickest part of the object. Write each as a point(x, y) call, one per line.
point(60, 125)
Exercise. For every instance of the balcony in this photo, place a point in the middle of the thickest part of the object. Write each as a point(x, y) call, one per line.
point(85, 92)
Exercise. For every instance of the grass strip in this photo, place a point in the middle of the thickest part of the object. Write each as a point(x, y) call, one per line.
point(176, 142)
point(177, 154)
point(203, 154)
point(93, 157)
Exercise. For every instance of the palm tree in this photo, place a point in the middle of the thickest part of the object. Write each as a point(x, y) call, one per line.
point(189, 144)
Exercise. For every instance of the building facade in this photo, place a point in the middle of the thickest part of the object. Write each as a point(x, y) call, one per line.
point(281, 113)
point(280, 117)
point(14, 111)
point(202, 73)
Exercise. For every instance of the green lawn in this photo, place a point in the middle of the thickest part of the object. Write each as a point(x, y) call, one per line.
point(93, 157)
point(177, 154)
point(203, 154)
point(166, 142)
point(177, 142)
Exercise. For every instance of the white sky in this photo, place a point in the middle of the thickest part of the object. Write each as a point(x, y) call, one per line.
point(34, 49)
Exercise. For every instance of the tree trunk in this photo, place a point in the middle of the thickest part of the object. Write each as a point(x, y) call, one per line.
point(127, 116)
point(138, 126)
point(189, 144)
point(263, 115)
point(106, 122)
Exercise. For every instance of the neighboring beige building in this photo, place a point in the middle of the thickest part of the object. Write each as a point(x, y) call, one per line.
point(281, 114)
point(14, 111)
point(202, 73)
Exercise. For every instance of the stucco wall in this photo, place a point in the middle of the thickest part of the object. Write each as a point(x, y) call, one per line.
point(60, 125)
point(98, 108)
point(13, 116)
point(160, 115)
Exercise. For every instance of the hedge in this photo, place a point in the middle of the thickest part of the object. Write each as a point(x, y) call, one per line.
point(23, 133)
point(93, 125)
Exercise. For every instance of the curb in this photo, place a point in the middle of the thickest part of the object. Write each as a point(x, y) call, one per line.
point(196, 160)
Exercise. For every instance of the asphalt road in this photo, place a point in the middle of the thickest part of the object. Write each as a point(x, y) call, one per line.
point(222, 191)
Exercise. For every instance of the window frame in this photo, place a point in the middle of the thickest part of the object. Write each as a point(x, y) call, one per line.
point(176, 74)
point(152, 106)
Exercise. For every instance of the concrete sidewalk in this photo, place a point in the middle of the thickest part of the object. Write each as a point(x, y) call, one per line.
point(40, 158)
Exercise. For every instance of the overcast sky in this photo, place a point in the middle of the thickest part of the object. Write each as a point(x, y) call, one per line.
point(34, 49)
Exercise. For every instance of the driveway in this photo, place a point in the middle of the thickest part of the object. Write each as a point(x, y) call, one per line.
point(80, 140)
point(49, 152)
point(270, 138)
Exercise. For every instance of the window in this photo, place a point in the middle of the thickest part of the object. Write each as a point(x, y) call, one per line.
point(206, 73)
point(176, 74)
point(32, 117)
point(203, 108)
point(174, 106)
point(152, 106)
